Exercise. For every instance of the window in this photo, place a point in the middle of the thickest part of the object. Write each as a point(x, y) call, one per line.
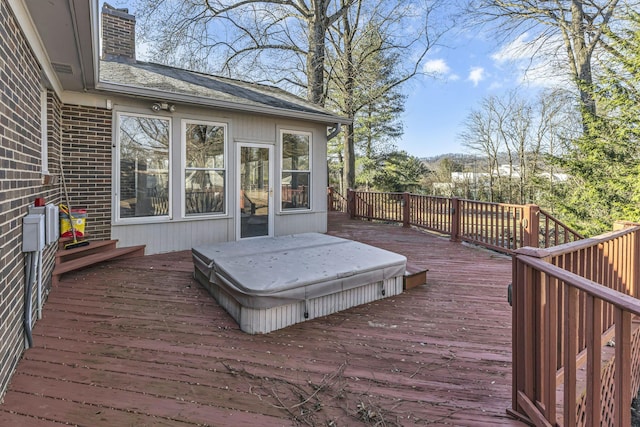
point(204, 172)
point(143, 164)
point(296, 170)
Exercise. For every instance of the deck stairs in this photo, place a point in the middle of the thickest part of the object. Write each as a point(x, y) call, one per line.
point(414, 275)
point(85, 256)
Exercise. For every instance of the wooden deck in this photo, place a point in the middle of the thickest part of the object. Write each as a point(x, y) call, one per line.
point(139, 342)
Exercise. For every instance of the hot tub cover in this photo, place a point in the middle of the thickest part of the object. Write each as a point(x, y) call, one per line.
point(269, 272)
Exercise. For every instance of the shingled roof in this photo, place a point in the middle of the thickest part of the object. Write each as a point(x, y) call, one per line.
point(179, 85)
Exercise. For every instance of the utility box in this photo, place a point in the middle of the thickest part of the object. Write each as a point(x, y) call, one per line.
point(33, 233)
point(51, 221)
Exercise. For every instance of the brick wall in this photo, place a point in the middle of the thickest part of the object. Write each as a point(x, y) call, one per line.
point(118, 33)
point(86, 158)
point(20, 180)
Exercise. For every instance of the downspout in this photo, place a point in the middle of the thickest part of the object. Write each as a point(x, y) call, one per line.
point(336, 130)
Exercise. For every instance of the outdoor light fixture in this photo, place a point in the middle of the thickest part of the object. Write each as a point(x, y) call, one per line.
point(158, 106)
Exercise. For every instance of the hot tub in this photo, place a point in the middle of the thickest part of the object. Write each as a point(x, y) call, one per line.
point(270, 283)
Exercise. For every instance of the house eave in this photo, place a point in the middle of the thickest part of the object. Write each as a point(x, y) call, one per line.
point(157, 95)
point(28, 27)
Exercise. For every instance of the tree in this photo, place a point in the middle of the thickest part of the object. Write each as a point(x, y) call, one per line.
point(365, 88)
point(578, 24)
point(379, 99)
point(604, 163)
point(518, 133)
point(398, 172)
point(481, 136)
point(558, 122)
point(286, 42)
point(247, 34)
point(368, 46)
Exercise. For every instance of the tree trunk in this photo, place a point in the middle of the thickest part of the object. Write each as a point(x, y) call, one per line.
point(349, 171)
point(349, 138)
point(582, 59)
point(315, 58)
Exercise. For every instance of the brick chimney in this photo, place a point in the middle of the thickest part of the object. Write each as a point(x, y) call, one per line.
point(118, 33)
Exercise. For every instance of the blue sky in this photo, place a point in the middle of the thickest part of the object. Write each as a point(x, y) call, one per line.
point(460, 76)
point(457, 78)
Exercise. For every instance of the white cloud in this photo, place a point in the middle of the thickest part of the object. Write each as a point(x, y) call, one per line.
point(476, 75)
point(517, 50)
point(536, 60)
point(436, 66)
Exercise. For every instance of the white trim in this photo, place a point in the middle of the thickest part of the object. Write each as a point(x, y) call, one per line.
point(271, 211)
point(35, 42)
point(183, 168)
point(96, 24)
point(309, 134)
point(116, 172)
point(85, 99)
point(44, 131)
point(220, 104)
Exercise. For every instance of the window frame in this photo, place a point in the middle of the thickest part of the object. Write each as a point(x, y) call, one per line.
point(308, 134)
point(183, 168)
point(118, 220)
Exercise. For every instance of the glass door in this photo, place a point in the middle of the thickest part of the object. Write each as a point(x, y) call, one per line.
point(256, 191)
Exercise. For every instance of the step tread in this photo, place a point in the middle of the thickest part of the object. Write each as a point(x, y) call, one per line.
point(88, 260)
point(93, 244)
point(412, 269)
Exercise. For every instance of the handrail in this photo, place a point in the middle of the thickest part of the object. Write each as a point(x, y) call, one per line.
point(568, 300)
point(499, 226)
point(578, 245)
point(336, 202)
point(570, 296)
point(619, 299)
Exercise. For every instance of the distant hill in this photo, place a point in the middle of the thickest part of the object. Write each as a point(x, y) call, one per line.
point(453, 156)
point(463, 159)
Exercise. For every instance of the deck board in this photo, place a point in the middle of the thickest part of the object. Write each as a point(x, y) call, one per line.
point(140, 342)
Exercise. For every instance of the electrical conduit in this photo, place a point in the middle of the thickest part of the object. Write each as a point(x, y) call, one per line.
point(30, 268)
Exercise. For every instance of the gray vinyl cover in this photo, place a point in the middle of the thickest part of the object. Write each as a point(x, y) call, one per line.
point(269, 272)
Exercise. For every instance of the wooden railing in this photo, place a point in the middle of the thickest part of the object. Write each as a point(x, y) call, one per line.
point(554, 232)
point(295, 197)
point(576, 348)
point(499, 226)
point(336, 202)
point(569, 302)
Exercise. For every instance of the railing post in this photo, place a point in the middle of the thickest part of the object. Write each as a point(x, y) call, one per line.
point(330, 206)
point(455, 219)
point(531, 226)
point(622, 361)
point(634, 256)
point(635, 281)
point(351, 203)
point(406, 210)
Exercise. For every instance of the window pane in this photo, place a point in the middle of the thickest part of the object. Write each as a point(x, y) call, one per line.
point(204, 191)
point(295, 190)
point(205, 146)
point(295, 152)
point(144, 166)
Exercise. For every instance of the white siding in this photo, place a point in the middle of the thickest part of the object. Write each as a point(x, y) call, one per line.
point(173, 236)
point(180, 233)
point(300, 223)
